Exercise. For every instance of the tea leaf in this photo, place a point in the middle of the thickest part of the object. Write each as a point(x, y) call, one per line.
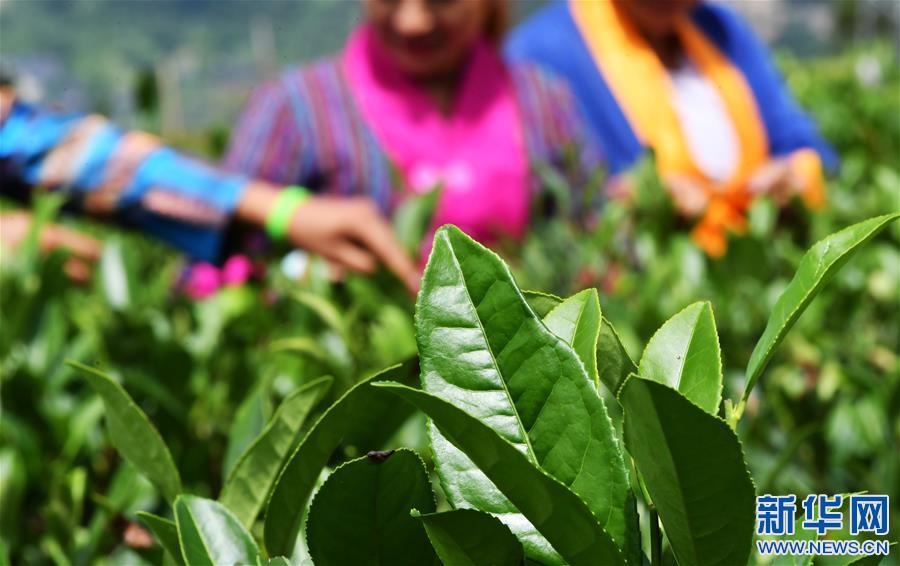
point(469, 537)
point(132, 434)
point(114, 276)
point(870, 560)
point(541, 303)
point(555, 511)
point(412, 219)
point(817, 267)
point(325, 310)
point(210, 534)
point(247, 487)
point(361, 514)
point(248, 422)
point(614, 365)
point(483, 349)
point(684, 354)
point(693, 467)
point(350, 414)
point(577, 321)
point(166, 534)
point(301, 344)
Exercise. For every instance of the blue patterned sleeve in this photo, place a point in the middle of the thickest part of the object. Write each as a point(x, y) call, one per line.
point(129, 176)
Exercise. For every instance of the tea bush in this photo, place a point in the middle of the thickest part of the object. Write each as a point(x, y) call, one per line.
point(268, 381)
point(521, 438)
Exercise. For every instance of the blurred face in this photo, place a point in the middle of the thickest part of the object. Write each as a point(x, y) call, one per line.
point(657, 18)
point(428, 38)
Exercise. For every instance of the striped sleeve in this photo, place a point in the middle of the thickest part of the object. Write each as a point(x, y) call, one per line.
point(129, 176)
point(266, 143)
point(556, 132)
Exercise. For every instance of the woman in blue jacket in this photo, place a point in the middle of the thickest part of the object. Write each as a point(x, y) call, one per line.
point(689, 80)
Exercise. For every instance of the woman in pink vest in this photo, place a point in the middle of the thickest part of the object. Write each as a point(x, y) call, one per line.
point(419, 99)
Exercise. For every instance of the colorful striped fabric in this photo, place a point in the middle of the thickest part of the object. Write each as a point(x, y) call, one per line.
point(304, 128)
point(129, 175)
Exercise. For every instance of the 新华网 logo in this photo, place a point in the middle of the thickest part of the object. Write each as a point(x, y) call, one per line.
point(777, 516)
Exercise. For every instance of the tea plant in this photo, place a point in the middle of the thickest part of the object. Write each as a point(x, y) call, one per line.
point(530, 463)
point(210, 376)
point(208, 373)
point(821, 419)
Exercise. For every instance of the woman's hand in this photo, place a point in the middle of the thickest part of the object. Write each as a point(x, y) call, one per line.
point(352, 234)
point(620, 188)
point(777, 180)
point(687, 194)
point(83, 249)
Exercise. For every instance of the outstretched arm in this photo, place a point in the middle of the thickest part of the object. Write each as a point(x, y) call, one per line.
point(133, 178)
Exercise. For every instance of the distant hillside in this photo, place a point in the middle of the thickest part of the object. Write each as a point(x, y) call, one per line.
point(88, 53)
point(206, 55)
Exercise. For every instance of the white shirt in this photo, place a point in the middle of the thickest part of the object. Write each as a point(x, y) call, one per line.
point(705, 122)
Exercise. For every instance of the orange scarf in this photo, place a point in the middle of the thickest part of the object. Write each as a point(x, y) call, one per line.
point(641, 85)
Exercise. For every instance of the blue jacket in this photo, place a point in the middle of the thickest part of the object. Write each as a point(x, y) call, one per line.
point(552, 39)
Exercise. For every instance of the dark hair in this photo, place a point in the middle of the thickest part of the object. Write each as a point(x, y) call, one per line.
point(497, 21)
point(6, 79)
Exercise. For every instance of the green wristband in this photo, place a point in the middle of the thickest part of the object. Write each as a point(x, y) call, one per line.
point(279, 220)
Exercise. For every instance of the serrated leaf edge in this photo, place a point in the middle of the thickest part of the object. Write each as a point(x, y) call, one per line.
point(370, 380)
point(269, 426)
point(707, 304)
point(720, 420)
point(167, 455)
point(396, 385)
point(312, 501)
point(882, 221)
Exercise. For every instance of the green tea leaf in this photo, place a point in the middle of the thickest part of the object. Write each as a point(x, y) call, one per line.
point(248, 422)
point(210, 534)
point(166, 534)
point(469, 537)
point(559, 515)
point(361, 515)
point(412, 219)
point(541, 303)
point(577, 321)
point(132, 433)
point(614, 365)
point(4, 553)
point(684, 354)
point(325, 310)
point(816, 269)
point(871, 560)
point(393, 335)
point(13, 483)
point(693, 467)
point(483, 349)
point(277, 561)
point(302, 344)
point(45, 208)
point(294, 485)
point(114, 275)
point(247, 487)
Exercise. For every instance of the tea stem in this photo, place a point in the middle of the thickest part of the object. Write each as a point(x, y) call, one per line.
point(655, 538)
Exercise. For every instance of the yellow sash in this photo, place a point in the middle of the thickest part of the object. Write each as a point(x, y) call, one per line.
point(643, 89)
